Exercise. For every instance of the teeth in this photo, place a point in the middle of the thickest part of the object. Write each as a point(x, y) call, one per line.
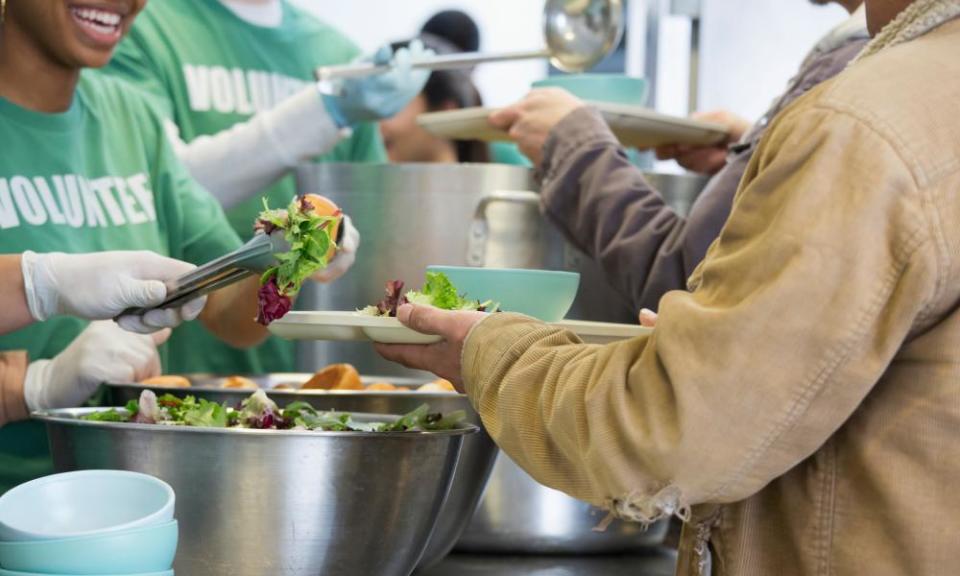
point(98, 19)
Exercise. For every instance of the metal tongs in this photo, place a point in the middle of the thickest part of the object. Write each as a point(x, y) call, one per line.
point(254, 257)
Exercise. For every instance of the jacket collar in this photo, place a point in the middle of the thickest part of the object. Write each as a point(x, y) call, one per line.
point(919, 18)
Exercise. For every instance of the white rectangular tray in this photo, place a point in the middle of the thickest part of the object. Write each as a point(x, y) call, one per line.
point(634, 126)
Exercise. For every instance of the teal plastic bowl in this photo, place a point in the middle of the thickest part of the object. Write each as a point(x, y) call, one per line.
point(12, 573)
point(136, 551)
point(543, 294)
point(609, 88)
point(86, 503)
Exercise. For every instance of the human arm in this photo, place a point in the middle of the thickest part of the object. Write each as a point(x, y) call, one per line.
point(604, 206)
point(15, 313)
point(13, 367)
point(97, 286)
point(103, 352)
point(231, 314)
point(707, 159)
point(824, 269)
point(264, 148)
point(260, 150)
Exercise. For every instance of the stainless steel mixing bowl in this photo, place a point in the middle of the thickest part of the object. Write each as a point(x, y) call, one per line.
point(297, 503)
point(476, 458)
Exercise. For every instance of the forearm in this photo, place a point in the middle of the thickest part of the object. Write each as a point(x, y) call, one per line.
point(230, 314)
point(238, 163)
point(14, 314)
point(606, 208)
point(13, 370)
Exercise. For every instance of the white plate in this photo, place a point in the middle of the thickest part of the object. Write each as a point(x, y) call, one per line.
point(351, 326)
point(336, 326)
point(346, 327)
point(603, 332)
point(634, 126)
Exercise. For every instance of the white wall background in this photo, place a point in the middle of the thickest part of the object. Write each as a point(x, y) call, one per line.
point(753, 47)
point(750, 47)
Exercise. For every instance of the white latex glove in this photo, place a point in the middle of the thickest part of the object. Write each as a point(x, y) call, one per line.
point(345, 257)
point(102, 285)
point(103, 352)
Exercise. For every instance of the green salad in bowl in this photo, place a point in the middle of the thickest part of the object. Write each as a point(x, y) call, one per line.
point(259, 412)
point(438, 291)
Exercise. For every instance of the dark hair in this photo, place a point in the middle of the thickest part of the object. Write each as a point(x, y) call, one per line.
point(456, 27)
point(455, 87)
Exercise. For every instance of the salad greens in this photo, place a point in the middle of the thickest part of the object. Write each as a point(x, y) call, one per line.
point(310, 242)
point(260, 412)
point(438, 291)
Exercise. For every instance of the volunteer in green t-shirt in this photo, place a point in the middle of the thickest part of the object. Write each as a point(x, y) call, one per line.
point(86, 167)
point(236, 81)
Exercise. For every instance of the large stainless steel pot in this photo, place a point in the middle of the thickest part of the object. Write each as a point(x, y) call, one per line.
point(476, 458)
point(256, 502)
point(411, 216)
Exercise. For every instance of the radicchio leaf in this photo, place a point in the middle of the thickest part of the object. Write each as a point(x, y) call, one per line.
point(271, 304)
point(393, 300)
point(260, 412)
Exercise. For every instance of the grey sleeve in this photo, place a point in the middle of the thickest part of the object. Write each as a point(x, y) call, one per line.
point(604, 206)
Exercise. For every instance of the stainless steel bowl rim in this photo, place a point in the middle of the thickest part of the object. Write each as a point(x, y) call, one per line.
point(71, 416)
point(245, 392)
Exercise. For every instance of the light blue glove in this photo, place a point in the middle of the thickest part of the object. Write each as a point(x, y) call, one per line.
point(375, 97)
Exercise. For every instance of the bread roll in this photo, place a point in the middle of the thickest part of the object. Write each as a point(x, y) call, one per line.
point(167, 382)
point(382, 386)
point(323, 206)
point(335, 377)
point(440, 385)
point(239, 382)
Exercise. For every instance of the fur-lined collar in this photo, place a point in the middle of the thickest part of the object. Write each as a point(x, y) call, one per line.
point(919, 18)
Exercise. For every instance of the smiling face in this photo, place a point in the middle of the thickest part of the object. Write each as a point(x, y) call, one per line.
point(74, 33)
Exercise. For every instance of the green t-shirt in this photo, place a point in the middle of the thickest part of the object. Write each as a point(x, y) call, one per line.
point(209, 70)
point(101, 176)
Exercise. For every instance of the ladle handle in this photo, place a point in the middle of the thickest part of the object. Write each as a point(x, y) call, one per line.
point(442, 62)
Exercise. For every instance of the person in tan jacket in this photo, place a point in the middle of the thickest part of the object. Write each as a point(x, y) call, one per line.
point(799, 408)
point(100, 287)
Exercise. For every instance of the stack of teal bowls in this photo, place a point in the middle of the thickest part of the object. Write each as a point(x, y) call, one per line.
point(89, 523)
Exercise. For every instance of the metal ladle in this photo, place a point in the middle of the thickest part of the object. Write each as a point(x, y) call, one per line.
point(578, 34)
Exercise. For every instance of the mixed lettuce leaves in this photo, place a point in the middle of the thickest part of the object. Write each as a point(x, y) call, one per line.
point(261, 413)
point(438, 291)
point(310, 242)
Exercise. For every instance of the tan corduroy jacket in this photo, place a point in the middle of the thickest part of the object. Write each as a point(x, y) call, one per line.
point(801, 406)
